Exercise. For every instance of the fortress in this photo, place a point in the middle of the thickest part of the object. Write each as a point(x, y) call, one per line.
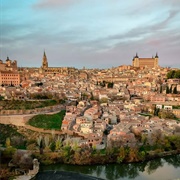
point(145, 62)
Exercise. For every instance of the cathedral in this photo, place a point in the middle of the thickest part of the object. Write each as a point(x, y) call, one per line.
point(145, 62)
point(54, 70)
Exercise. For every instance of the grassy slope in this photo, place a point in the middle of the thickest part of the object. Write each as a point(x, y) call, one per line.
point(44, 121)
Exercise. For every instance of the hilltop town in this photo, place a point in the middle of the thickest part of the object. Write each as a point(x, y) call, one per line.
point(124, 106)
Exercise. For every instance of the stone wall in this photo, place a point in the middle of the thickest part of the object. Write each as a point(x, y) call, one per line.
point(33, 111)
point(20, 117)
point(17, 120)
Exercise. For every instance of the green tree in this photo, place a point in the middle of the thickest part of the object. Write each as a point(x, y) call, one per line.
point(166, 114)
point(171, 74)
point(1, 98)
point(103, 84)
point(53, 146)
point(175, 90)
point(58, 143)
point(103, 100)
point(92, 96)
point(47, 143)
point(8, 142)
point(122, 155)
point(170, 90)
point(167, 90)
point(177, 74)
point(156, 111)
point(40, 144)
point(110, 84)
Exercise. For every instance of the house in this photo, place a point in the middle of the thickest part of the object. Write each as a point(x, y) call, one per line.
point(86, 127)
point(176, 112)
point(94, 139)
point(99, 125)
point(81, 119)
point(121, 138)
point(157, 98)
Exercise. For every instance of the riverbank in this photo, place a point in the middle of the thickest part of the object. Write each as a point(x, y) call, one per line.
point(160, 168)
point(99, 159)
point(153, 155)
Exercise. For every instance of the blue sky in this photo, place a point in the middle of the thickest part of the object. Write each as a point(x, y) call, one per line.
point(90, 33)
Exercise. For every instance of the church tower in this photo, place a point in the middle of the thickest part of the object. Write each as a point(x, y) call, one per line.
point(44, 61)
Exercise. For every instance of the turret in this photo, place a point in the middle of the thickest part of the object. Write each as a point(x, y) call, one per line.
point(136, 56)
point(156, 60)
point(136, 61)
point(156, 55)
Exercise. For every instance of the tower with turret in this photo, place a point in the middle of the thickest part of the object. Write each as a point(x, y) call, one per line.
point(136, 61)
point(156, 63)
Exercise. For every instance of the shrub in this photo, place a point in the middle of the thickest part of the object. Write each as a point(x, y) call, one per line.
point(23, 159)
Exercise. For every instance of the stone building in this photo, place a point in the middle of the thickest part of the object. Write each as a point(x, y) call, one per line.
point(9, 74)
point(9, 65)
point(54, 70)
point(145, 62)
point(9, 78)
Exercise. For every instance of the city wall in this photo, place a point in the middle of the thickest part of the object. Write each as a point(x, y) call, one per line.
point(20, 117)
point(32, 111)
point(17, 120)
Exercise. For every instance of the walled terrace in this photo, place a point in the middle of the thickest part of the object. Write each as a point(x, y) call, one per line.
point(20, 117)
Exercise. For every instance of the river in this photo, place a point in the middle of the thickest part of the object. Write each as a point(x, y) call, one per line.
point(167, 168)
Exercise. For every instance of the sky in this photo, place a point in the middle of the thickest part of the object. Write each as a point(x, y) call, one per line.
point(89, 33)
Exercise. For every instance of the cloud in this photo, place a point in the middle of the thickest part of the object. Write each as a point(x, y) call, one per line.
point(171, 15)
point(55, 3)
point(91, 33)
point(175, 3)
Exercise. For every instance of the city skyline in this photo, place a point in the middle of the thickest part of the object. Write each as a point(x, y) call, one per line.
point(90, 33)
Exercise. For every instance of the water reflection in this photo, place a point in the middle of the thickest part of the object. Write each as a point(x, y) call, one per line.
point(143, 170)
point(173, 160)
point(151, 166)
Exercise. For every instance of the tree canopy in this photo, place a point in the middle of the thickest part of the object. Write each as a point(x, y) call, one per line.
point(173, 74)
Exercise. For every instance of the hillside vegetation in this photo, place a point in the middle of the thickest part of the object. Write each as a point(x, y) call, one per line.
point(17, 104)
point(45, 121)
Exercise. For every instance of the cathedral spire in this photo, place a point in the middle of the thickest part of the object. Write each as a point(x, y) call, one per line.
point(44, 54)
point(44, 61)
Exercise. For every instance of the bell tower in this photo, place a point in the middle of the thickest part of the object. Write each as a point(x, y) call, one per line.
point(44, 61)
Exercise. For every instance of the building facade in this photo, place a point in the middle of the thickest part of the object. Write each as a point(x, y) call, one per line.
point(9, 78)
point(9, 75)
point(9, 65)
point(145, 62)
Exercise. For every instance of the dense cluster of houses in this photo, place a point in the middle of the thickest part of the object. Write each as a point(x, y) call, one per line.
point(104, 100)
point(121, 123)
